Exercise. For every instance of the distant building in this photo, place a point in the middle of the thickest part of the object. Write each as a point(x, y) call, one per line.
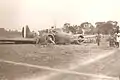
point(2, 31)
point(10, 33)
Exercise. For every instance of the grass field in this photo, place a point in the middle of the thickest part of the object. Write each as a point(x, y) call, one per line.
point(54, 62)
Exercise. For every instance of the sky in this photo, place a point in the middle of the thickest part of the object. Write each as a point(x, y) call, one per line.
point(42, 14)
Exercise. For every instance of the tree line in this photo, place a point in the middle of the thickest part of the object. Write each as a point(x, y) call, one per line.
point(108, 27)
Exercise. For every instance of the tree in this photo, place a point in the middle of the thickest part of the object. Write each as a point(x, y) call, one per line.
point(73, 29)
point(98, 25)
point(66, 27)
point(88, 27)
point(108, 27)
point(80, 31)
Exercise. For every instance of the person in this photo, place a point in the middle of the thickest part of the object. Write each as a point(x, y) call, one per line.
point(117, 29)
point(112, 40)
point(117, 40)
point(52, 29)
point(50, 40)
point(98, 39)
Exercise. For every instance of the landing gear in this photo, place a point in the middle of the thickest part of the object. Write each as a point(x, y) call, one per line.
point(49, 39)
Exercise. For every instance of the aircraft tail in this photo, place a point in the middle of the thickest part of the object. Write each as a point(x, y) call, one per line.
point(26, 33)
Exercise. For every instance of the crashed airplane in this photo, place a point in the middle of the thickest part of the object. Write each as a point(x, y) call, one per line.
point(60, 37)
point(55, 37)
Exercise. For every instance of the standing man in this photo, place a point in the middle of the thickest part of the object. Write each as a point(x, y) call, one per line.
point(117, 40)
point(98, 39)
point(117, 29)
point(52, 29)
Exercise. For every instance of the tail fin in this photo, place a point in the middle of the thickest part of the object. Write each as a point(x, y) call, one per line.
point(23, 32)
point(26, 33)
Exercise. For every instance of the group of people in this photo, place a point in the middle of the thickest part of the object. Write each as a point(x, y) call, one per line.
point(114, 40)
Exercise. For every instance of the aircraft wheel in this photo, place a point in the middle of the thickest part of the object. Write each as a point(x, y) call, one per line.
point(80, 40)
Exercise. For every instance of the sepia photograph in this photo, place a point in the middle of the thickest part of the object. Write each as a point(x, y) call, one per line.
point(59, 40)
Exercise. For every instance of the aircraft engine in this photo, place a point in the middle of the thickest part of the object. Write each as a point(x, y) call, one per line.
point(45, 38)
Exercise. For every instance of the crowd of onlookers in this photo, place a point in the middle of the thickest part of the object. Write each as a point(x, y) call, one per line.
point(114, 40)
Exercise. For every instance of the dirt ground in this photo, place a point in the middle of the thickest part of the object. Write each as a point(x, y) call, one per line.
point(58, 62)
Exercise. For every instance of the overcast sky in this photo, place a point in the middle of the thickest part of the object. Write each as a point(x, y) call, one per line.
point(41, 14)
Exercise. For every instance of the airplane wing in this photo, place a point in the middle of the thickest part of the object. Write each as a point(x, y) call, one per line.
point(17, 40)
point(89, 38)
